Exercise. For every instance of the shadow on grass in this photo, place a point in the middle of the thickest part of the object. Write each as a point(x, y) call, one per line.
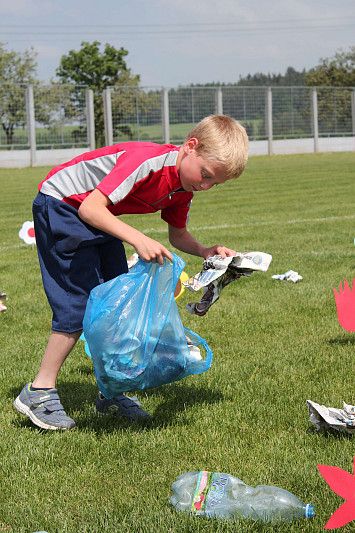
point(343, 341)
point(331, 433)
point(78, 400)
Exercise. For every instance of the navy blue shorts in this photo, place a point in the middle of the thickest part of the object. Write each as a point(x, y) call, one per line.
point(74, 257)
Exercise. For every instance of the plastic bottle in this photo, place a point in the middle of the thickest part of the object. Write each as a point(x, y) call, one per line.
point(226, 496)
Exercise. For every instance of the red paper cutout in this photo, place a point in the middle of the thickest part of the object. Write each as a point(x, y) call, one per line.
point(345, 302)
point(31, 232)
point(342, 483)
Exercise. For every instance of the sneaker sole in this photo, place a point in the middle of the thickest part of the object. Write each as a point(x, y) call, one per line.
point(23, 409)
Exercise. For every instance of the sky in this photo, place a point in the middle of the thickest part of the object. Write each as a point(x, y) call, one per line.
point(173, 43)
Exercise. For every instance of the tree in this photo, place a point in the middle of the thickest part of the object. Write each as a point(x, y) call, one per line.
point(291, 78)
point(337, 71)
point(16, 71)
point(97, 70)
point(334, 105)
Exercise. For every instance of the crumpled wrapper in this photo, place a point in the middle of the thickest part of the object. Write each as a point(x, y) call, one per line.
point(218, 272)
point(3, 298)
point(290, 275)
point(133, 260)
point(329, 418)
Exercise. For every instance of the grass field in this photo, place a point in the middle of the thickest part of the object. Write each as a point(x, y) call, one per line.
point(275, 345)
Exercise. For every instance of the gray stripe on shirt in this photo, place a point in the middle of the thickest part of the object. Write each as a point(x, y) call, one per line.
point(150, 165)
point(79, 178)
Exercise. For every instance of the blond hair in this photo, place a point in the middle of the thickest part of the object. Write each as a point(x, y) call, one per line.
point(224, 140)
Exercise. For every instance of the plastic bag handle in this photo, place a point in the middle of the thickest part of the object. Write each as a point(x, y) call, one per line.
point(209, 355)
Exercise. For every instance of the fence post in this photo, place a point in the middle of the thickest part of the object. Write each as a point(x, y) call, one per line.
point(269, 120)
point(90, 120)
point(165, 117)
point(30, 118)
point(353, 109)
point(315, 118)
point(108, 117)
point(219, 101)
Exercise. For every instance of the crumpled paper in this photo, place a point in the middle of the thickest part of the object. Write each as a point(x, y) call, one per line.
point(132, 260)
point(3, 298)
point(218, 272)
point(290, 275)
point(330, 418)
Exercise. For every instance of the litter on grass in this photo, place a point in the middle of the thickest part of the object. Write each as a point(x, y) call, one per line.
point(329, 418)
point(3, 299)
point(27, 232)
point(218, 272)
point(290, 275)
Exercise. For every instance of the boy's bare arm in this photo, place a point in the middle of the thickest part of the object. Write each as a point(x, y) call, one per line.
point(94, 211)
point(184, 241)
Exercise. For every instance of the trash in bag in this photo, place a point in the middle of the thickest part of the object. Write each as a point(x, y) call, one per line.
point(180, 287)
point(134, 334)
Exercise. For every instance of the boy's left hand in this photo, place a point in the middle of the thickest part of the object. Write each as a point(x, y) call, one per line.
point(218, 249)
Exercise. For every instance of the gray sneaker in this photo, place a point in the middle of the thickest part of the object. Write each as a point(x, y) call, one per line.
point(43, 407)
point(120, 405)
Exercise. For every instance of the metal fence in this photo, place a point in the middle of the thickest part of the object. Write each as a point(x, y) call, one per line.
point(13, 116)
point(60, 113)
point(50, 116)
point(164, 115)
point(40, 117)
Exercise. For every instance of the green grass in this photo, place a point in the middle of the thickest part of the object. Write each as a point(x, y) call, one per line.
point(275, 345)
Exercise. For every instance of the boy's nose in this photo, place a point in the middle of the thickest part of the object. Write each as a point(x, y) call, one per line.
point(205, 186)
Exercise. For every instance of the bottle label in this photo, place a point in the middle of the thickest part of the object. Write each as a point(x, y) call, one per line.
point(209, 491)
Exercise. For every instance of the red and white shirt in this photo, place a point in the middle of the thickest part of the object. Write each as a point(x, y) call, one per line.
point(138, 177)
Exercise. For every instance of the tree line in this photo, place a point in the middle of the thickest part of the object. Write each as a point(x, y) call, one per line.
point(97, 68)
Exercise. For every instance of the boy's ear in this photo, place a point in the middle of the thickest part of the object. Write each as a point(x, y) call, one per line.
point(190, 145)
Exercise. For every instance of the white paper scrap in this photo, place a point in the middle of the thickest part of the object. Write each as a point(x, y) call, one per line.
point(290, 275)
point(328, 417)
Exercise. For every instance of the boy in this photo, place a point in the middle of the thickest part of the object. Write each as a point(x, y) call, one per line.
point(79, 237)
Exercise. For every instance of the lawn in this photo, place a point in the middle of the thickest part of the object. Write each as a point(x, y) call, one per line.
point(275, 345)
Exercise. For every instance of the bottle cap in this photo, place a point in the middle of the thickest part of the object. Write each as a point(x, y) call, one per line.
point(309, 511)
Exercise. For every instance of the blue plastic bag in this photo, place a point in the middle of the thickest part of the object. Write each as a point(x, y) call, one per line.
point(134, 333)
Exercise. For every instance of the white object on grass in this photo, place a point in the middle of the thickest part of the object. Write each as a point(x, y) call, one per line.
point(27, 232)
point(290, 275)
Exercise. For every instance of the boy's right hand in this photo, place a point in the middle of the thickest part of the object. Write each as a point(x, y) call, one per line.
point(94, 211)
point(150, 250)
